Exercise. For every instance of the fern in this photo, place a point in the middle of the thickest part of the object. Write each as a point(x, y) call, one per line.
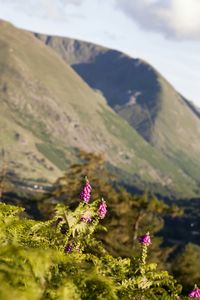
point(36, 264)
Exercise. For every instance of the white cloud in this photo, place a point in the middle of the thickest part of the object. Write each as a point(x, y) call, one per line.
point(74, 2)
point(174, 18)
point(52, 9)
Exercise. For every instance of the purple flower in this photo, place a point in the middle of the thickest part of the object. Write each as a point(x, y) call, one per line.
point(145, 239)
point(86, 219)
point(68, 248)
point(86, 192)
point(195, 293)
point(102, 210)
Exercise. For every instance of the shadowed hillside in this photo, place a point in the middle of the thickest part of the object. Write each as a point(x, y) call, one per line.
point(137, 92)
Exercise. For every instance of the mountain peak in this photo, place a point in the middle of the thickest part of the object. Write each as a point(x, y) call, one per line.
point(144, 98)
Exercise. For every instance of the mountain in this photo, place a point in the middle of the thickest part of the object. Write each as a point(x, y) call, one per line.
point(142, 96)
point(47, 111)
point(193, 107)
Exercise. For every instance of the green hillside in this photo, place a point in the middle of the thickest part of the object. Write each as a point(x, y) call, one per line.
point(47, 112)
point(137, 92)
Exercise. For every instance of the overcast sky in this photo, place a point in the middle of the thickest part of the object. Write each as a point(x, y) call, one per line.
point(166, 33)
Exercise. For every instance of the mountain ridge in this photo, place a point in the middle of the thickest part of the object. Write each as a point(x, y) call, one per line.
point(48, 111)
point(142, 96)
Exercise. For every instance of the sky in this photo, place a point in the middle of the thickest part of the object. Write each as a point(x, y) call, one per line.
point(165, 33)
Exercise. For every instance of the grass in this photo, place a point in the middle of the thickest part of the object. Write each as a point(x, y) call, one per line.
point(55, 155)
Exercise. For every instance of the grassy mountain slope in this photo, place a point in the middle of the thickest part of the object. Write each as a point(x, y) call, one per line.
point(141, 96)
point(47, 111)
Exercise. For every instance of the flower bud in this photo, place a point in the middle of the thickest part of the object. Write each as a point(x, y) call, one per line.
point(145, 239)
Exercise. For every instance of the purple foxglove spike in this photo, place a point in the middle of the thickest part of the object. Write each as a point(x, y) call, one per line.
point(102, 210)
point(195, 293)
point(145, 239)
point(86, 192)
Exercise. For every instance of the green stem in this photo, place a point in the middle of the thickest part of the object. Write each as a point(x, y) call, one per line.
point(143, 259)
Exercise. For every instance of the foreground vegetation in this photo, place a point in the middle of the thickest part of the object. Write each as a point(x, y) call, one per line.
point(82, 247)
point(61, 259)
